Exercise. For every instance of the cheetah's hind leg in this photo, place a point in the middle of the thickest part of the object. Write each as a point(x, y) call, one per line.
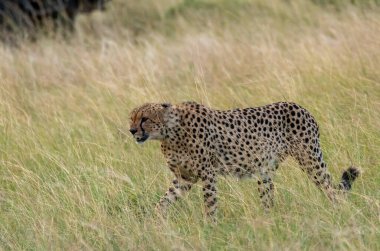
point(265, 184)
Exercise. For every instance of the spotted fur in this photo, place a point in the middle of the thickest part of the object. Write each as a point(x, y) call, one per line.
point(200, 143)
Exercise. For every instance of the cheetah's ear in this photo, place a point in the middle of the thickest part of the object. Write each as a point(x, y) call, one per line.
point(166, 105)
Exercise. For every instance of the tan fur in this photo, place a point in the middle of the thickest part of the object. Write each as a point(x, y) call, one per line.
point(200, 143)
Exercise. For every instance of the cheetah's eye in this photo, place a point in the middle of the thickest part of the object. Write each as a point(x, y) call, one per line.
point(143, 119)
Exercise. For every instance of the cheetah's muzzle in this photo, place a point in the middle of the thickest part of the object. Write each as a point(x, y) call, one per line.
point(142, 139)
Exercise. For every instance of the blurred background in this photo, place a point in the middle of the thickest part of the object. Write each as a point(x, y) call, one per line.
point(72, 178)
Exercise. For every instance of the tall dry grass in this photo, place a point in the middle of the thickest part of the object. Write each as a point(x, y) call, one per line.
point(72, 178)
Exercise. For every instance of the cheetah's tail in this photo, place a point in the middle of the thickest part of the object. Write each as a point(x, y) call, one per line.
point(348, 177)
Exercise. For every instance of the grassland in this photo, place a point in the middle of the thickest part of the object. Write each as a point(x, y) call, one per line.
point(71, 177)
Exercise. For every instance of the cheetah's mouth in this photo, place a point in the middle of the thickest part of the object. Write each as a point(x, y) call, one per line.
point(144, 137)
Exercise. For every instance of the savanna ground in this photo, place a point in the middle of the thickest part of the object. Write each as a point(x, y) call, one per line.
point(72, 178)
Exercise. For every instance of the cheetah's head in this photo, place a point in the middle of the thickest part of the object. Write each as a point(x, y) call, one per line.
point(148, 122)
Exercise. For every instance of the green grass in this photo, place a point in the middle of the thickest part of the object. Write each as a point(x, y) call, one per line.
point(72, 178)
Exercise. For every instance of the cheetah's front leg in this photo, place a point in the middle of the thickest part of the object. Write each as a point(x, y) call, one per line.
point(179, 189)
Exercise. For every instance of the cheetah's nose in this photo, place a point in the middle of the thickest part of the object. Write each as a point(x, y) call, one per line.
point(133, 131)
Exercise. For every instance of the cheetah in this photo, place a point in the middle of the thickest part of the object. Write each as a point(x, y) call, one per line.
point(200, 144)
